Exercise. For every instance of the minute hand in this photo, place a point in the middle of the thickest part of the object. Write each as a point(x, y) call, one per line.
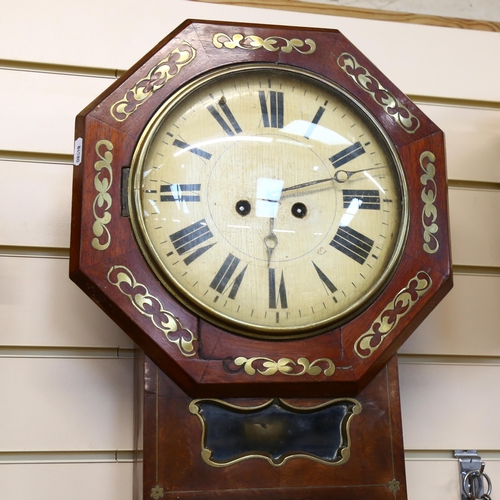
point(340, 176)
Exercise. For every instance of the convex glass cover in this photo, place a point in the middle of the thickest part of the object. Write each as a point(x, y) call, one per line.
point(268, 201)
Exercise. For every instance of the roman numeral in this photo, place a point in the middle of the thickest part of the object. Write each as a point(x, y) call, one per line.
point(225, 273)
point(316, 119)
point(236, 129)
point(325, 280)
point(370, 198)
point(196, 151)
point(180, 192)
point(189, 240)
point(346, 155)
point(274, 115)
point(353, 244)
point(277, 297)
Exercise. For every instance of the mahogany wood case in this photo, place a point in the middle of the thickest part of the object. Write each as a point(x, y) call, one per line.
point(107, 263)
point(198, 374)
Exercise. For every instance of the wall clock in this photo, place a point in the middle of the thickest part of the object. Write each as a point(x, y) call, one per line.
point(265, 214)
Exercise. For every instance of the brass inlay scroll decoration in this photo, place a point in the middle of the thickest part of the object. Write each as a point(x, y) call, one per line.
point(275, 431)
point(164, 71)
point(157, 492)
point(151, 307)
point(391, 105)
point(103, 201)
point(271, 44)
point(285, 366)
point(429, 193)
point(370, 341)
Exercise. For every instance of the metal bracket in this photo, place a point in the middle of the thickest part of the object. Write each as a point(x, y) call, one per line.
point(471, 469)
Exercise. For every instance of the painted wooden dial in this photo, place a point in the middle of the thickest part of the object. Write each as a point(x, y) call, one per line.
point(268, 201)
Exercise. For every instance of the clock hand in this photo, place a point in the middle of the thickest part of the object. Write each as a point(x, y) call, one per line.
point(340, 176)
point(271, 241)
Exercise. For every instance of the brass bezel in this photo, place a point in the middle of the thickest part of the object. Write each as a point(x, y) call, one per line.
point(203, 310)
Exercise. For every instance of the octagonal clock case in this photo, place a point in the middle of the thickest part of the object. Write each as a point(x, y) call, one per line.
point(261, 210)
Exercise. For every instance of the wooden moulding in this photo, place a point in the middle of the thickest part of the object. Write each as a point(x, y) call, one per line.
point(362, 13)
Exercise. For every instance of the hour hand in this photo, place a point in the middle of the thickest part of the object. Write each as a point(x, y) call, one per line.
point(271, 241)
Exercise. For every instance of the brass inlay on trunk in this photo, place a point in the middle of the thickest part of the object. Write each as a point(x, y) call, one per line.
point(157, 492)
point(394, 485)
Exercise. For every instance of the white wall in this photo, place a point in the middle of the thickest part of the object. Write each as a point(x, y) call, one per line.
point(66, 369)
point(466, 9)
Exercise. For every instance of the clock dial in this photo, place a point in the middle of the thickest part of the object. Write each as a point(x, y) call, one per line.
point(268, 201)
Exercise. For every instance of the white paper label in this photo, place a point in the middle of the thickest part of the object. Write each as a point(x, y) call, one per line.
point(78, 152)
